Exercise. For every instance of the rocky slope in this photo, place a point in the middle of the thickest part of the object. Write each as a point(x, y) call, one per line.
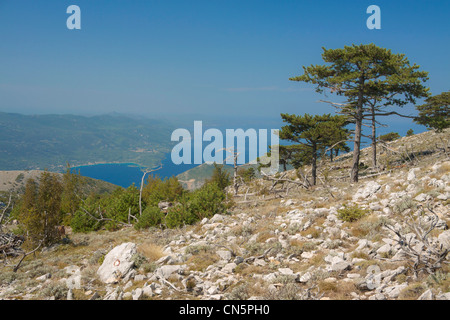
point(276, 243)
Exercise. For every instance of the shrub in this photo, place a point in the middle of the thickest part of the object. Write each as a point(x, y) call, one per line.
point(151, 217)
point(157, 190)
point(202, 203)
point(122, 201)
point(207, 201)
point(404, 204)
point(178, 216)
point(81, 222)
point(350, 214)
point(391, 136)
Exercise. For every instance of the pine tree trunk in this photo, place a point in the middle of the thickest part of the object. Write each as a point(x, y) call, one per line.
point(358, 132)
point(235, 182)
point(356, 152)
point(314, 163)
point(374, 139)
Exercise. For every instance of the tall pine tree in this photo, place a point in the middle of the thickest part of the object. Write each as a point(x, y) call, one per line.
point(362, 72)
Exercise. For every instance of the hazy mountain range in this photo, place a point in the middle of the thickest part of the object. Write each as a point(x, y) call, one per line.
point(50, 141)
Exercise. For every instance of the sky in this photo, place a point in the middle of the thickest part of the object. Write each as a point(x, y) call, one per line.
point(205, 58)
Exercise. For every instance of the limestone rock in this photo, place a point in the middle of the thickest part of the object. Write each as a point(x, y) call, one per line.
point(117, 263)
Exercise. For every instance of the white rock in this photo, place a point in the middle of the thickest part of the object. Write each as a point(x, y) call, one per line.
point(305, 278)
point(307, 255)
point(286, 271)
point(444, 239)
point(137, 294)
point(117, 263)
point(167, 270)
point(421, 197)
point(385, 249)
point(229, 267)
point(44, 277)
point(427, 295)
point(224, 255)
point(412, 174)
point(368, 190)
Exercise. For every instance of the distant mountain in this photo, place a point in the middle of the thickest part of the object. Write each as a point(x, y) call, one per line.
point(50, 141)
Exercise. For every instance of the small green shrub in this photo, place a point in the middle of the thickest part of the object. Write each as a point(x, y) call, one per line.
point(139, 260)
point(351, 213)
point(81, 222)
point(151, 217)
point(404, 204)
point(391, 136)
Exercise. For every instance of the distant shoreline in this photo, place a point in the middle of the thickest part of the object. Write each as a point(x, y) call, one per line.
point(130, 164)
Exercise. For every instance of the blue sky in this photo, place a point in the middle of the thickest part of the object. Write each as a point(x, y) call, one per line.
point(198, 57)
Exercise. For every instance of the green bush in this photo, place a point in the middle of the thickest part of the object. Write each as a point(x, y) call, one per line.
point(391, 136)
point(201, 203)
point(178, 216)
point(156, 190)
point(121, 201)
point(207, 201)
point(81, 222)
point(151, 217)
point(350, 214)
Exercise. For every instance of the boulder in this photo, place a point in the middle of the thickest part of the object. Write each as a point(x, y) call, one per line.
point(117, 263)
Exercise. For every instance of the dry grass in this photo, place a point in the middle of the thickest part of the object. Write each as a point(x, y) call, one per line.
point(412, 292)
point(151, 251)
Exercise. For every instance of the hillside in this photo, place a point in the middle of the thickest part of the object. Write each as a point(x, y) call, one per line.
point(279, 241)
point(14, 182)
point(196, 177)
point(33, 142)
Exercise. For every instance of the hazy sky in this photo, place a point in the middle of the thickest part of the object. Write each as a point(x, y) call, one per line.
point(204, 57)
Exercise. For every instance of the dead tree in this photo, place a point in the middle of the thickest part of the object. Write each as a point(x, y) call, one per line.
point(282, 179)
point(142, 186)
point(423, 254)
point(235, 156)
point(25, 254)
point(2, 217)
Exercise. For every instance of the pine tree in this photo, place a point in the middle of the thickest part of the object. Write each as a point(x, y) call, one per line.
point(41, 209)
point(435, 113)
point(72, 191)
point(313, 134)
point(220, 177)
point(364, 72)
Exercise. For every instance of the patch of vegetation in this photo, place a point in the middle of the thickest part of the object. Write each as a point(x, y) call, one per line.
point(391, 136)
point(351, 213)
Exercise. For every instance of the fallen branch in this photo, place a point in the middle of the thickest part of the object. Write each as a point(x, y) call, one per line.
point(27, 254)
point(266, 177)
